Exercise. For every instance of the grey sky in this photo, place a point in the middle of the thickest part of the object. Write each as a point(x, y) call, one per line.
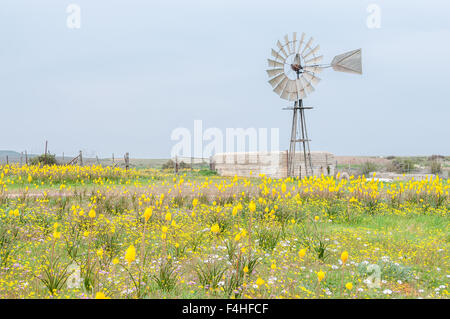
point(138, 69)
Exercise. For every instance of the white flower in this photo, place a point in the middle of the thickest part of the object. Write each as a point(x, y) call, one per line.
point(387, 291)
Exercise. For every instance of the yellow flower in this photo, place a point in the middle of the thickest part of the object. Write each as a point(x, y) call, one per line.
point(273, 266)
point(164, 229)
point(115, 261)
point(194, 202)
point(57, 235)
point(252, 206)
point(148, 213)
point(320, 275)
point(215, 228)
point(302, 252)
point(245, 269)
point(259, 281)
point(344, 256)
point(92, 213)
point(316, 218)
point(86, 233)
point(349, 286)
point(100, 253)
point(168, 217)
point(130, 254)
point(237, 237)
point(100, 295)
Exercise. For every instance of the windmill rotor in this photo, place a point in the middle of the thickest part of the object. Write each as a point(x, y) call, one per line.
point(293, 72)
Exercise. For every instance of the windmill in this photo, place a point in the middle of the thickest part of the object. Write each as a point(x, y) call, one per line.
point(294, 67)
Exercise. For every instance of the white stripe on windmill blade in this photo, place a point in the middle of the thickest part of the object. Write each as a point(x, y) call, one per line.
point(313, 69)
point(286, 40)
point(278, 56)
point(314, 60)
point(349, 62)
point(276, 80)
point(311, 52)
point(275, 64)
point(294, 41)
point(280, 46)
point(279, 88)
point(307, 45)
point(311, 78)
point(274, 72)
point(301, 42)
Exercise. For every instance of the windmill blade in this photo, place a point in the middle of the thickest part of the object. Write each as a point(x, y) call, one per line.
point(280, 87)
point(308, 44)
point(278, 56)
point(280, 46)
point(315, 60)
point(311, 52)
point(276, 80)
point(349, 62)
point(294, 41)
point(310, 77)
point(286, 40)
point(288, 90)
point(274, 72)
point(307, 86)
point(274, 64)
point(313, 69)
point(300, 89)
point(300, 43)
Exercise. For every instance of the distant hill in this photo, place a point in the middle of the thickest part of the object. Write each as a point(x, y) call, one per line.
point(10, 154)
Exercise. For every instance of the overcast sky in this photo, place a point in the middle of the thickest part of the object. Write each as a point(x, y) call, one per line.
point(136, 70)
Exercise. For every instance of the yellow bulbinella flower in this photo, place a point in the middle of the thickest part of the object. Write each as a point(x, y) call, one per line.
point(302, 252)
point(245, 269)
point(320, 275)
point(344, 256)
point(194, 202)
point(130, 254)
point(168, 217)
point(252, 206)
point(100, 295)
point(164, 229)
point(316, 218)
point(349, 286)
point(215, 228)
point(115, 261)
point(259, 281)
point(148, 213)
point(92, 213)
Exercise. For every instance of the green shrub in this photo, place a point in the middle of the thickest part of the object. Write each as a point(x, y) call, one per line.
point(44, 159)
point(403, 165)
point(436, 167)
point(368, 167)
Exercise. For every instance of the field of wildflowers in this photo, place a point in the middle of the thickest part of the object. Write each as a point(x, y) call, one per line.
point(103, 232)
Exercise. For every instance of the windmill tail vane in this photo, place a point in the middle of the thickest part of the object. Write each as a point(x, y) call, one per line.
point(293, 71)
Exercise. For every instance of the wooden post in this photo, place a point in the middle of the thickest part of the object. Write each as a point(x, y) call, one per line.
point(113, 159)
point(127, 160)
point(81, 158)
point(63, 158)
point(98, 163)
point(26, 157)
point(176, 165)
point(7, 160)
point(45, 151)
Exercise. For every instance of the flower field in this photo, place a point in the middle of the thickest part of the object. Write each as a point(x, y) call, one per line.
point(103, 232)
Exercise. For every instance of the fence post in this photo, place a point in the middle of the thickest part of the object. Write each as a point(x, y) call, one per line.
point(26, 157)
point(113, 159)
point(7, 160)
point(81, 158)
point(127, 160)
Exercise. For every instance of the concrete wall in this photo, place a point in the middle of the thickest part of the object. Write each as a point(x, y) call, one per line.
point(272, 164)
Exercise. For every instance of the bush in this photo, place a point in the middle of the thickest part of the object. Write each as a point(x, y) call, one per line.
point(436, 167)
point(404, 165)
point(44, 159)
point(171, 164)
point(368, 167)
